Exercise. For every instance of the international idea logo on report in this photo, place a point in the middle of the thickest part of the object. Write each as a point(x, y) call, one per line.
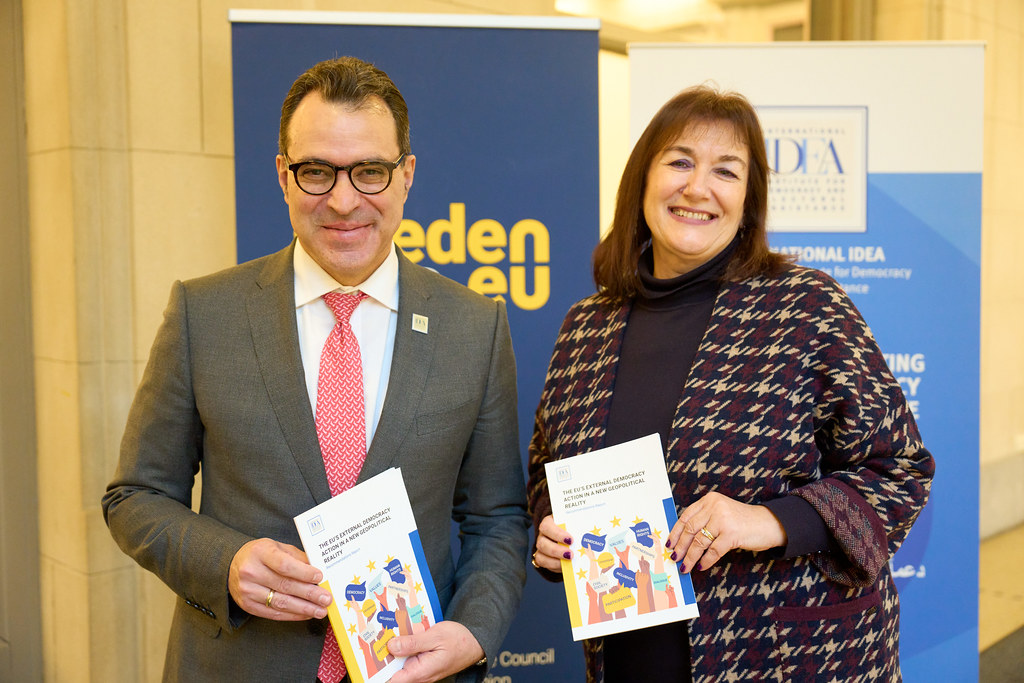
point(818, 158)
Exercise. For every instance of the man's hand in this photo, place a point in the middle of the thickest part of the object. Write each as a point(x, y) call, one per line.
point(445, 648)
point(274, 581)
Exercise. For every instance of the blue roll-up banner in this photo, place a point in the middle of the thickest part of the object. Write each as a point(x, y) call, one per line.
point(876, 152)
point(503, 113)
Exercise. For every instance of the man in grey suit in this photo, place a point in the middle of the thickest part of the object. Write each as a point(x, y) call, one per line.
point(230, 391)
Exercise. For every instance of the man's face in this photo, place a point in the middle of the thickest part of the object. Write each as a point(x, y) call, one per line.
point(346, 232)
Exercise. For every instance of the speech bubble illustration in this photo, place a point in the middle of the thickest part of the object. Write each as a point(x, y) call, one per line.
point(592, 541)
point(643, 551)
point(399, 589)
point(394, 568)
point(380, 646)
point(355, 591)
point(605, 561)
point(368, 608)
point(625, 577)
point(643, 534)
point(618, 541)
point(387, 619)
point(375, 583)
point(660, 581)
point(616, 601)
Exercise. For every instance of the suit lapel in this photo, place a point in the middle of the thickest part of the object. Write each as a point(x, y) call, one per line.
point(271, 311)
point(409, 368)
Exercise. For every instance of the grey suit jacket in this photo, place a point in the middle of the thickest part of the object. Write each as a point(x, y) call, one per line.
point(224, 394)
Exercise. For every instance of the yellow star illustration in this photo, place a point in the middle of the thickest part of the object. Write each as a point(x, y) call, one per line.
point(616, 521)
point(667, 555)
point(418, 587)
point(638, 520)
point(348, 605)
point(352, 629)
point(388, 561)
point(408, 568)
point(657, 534)
point(355, 579)
point(581, 574)
point(371, 566)
point(595, 531)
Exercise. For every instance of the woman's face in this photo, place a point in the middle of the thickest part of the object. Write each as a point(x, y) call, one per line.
point(693, 203)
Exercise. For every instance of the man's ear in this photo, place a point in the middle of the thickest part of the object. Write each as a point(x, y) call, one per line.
point(408, 171)
point(282, 174)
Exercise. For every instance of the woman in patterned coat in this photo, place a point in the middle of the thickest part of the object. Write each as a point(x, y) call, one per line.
point(795, 463)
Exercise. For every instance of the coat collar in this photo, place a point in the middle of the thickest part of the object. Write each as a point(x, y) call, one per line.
point(271, 311)
point(410, 366)
point(270, 307)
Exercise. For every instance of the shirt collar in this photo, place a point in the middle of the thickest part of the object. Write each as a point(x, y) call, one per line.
point(312, 281)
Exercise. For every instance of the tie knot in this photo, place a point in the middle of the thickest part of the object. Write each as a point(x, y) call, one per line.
point(342, 304)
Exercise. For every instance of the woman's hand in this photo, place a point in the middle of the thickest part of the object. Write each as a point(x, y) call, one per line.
point(716, 524)
point(552, 545)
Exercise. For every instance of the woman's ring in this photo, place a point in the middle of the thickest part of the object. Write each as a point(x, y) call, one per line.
point(270, 597)
point(707, 534)
point(534, 561)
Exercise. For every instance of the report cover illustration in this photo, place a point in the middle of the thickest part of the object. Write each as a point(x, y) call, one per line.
point(366, 543)
point(616, 504)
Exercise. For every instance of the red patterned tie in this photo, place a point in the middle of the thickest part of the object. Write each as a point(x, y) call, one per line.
point(340, 427)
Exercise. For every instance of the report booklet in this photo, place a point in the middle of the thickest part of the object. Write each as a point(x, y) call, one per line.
point(616, 504)
point(366, 543)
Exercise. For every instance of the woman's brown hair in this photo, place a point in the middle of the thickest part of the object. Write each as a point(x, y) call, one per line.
point(616, 257)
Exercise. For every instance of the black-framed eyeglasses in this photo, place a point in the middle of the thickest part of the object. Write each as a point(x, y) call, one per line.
point(319, 177)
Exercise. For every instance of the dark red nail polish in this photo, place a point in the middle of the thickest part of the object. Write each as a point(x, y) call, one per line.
point(673, 556)
point(567, 555)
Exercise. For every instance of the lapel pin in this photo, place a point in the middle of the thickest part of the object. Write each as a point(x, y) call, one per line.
point(419, 323)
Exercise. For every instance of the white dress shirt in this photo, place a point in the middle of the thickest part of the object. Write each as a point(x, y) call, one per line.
point(373, 323)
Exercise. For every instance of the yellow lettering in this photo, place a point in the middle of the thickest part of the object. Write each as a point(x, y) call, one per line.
point(488, 280)
point(486, 239)
point(541, 287)
point(455, 229)
point(541, 241)
point(411, 239)
point(486, 245)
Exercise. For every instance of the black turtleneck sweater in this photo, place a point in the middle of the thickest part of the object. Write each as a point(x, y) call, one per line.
point(664, 331)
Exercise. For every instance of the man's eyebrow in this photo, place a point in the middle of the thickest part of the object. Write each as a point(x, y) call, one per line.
point(318, 160)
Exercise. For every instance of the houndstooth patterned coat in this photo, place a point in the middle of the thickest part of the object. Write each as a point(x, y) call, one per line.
point(788, 395)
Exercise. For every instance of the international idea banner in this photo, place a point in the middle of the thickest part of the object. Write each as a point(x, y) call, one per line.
point(876, 160)
point(503, 114)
